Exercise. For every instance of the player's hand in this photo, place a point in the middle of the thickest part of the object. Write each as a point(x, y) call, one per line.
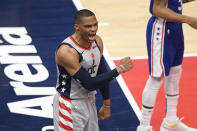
point(125, 65)
point(104, 113)
point(193, 22)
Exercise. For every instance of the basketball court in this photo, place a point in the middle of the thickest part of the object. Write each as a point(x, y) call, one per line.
point(30, 31)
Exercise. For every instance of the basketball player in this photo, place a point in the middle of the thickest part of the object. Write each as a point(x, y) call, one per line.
point(81, 71)
point(165, 45)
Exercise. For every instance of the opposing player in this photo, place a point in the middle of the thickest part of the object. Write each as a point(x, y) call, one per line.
point(81, 70)
point(165, 45)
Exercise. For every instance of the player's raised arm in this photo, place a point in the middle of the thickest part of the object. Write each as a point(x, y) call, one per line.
point(69, 59)
point(93, 83)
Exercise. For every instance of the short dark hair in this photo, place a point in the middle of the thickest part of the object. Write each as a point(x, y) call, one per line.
point(82, 13)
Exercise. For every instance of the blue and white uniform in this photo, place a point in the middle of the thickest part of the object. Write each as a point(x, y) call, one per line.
point(165, 41)
point(74, 106)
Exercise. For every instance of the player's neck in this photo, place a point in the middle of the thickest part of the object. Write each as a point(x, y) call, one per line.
point(80, 41)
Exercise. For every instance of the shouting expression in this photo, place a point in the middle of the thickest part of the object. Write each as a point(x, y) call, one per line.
point(87, 28)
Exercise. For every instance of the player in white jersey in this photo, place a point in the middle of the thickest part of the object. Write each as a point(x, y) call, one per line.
point(81, 70)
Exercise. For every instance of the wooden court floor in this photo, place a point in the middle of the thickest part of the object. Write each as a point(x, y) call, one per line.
point(124, 25)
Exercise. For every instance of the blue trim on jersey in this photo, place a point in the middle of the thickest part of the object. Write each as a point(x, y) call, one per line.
point(64, 81)
point(97, 45)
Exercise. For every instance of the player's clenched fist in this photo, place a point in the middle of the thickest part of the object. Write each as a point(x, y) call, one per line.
point(125, 65)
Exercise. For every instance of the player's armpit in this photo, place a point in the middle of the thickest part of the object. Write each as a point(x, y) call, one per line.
point(68, 58)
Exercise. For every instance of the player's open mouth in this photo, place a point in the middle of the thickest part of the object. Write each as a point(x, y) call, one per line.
point(92, 37)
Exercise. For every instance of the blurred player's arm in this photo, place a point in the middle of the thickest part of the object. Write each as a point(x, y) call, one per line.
point(185, 1)
point(160, 10)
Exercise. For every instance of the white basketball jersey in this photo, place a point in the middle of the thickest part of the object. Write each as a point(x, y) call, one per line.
point(89, 59)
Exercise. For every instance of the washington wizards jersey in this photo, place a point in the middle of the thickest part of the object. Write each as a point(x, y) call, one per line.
point(175, 5)
point(89, 59)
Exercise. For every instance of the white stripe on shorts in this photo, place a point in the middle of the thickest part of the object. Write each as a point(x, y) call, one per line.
point(66, 103)
point(65, 112)
point(66, 122)
point(157, 45)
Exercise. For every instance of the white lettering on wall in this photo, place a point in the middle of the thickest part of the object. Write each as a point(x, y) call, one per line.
point(24, 107)
point(26, 76)
point(10, 54)
point(22, 37)
point(21, 89)
point(21, 59)
point(47, 128)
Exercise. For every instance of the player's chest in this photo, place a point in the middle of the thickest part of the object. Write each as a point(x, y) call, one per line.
point(91, 60)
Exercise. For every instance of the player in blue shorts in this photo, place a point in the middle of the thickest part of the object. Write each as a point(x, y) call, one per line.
point(165, 45)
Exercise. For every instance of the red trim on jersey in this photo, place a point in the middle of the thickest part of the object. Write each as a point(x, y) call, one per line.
point(65, 98)
point(79, 45)
point(64, 107)
point(65, 126)
point(66, 118)
point(153, 45)
point(162, 46)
